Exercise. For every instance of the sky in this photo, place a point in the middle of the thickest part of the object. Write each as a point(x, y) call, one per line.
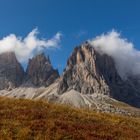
point(76, 21)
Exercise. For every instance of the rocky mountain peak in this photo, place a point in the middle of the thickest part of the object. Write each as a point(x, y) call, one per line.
point(40, 71)
point(8, 57)
point(89, 72)
point(11, 72)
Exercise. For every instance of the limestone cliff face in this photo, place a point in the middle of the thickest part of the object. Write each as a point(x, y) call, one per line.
point(40, 71)
point(11, 72)
point(90, 72)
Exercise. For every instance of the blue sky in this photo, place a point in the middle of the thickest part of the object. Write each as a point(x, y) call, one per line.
point(77, 20)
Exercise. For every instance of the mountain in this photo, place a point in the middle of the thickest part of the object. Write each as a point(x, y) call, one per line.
point(90, 72)
point(40, 71)
point(11, 72)
point(90, 80)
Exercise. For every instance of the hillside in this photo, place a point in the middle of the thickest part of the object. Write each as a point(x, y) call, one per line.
point(22, 119)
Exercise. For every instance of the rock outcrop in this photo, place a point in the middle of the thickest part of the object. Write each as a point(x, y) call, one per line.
point(40, 71)
point(90, 72)
point(11, 72)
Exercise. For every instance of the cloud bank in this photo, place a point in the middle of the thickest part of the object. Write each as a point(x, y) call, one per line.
point(25, 48)
point(126, 57)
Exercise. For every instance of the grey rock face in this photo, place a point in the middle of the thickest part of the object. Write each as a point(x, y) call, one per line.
point(90, 72)
point(11, 72)
point(40, 71)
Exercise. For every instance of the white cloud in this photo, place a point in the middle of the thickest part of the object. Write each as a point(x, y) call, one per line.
point(25, 48)
point(126, 57)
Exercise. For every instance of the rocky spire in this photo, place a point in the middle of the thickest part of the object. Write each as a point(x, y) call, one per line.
point(40, 71)
point(11, 72)
point(89, 72)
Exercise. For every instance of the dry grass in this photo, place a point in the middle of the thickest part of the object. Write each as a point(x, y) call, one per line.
point(38, 120)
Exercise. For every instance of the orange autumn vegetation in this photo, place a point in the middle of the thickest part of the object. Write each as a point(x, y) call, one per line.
point(22, 119)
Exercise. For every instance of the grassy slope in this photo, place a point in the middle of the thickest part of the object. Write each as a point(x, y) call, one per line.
point(28, 120)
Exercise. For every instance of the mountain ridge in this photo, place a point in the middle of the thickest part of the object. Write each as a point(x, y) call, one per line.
point(90, 80)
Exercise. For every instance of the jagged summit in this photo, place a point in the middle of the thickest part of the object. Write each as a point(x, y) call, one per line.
point(89, 72)
point(42, 56)
point(11, 72)
point(40, 70)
